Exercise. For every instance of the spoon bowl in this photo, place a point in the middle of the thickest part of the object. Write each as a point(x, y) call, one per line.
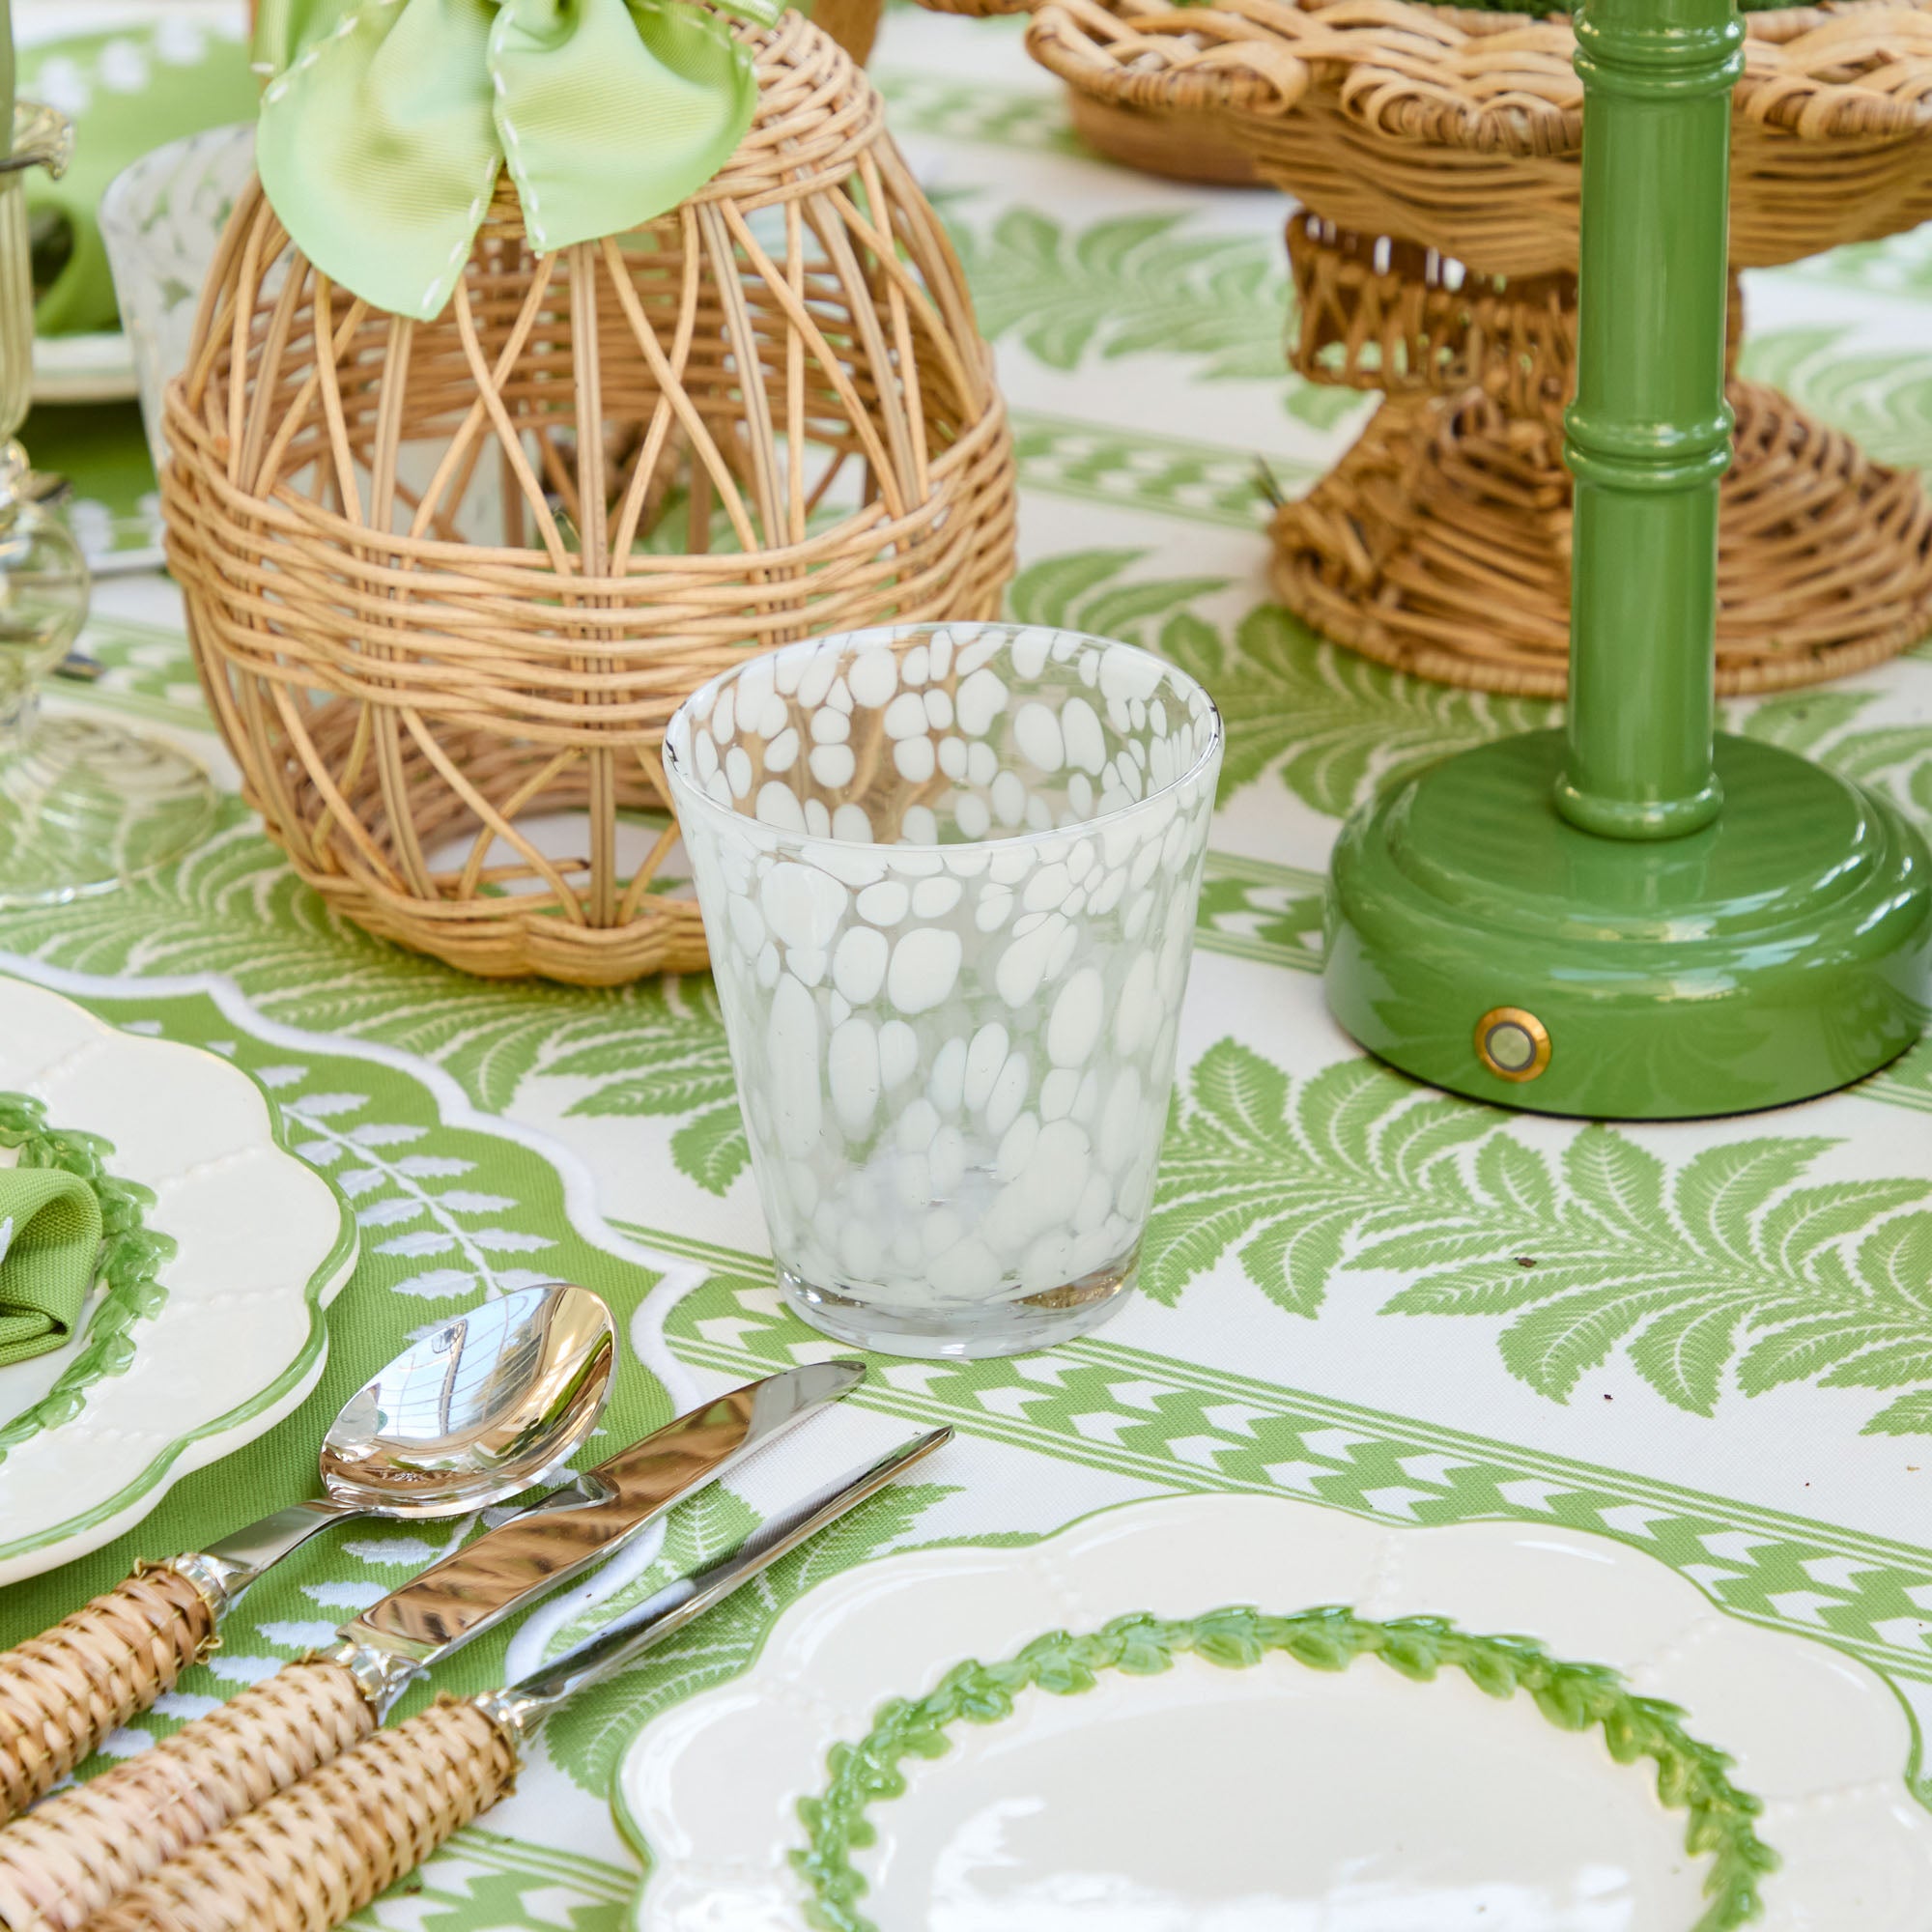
point(477, 1411)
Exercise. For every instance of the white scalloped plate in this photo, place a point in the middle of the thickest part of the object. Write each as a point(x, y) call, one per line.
point(262, 1242)
point(1276, 1797)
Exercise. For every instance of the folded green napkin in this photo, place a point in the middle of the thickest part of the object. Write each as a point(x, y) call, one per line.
point(49, 1241)
point(127, 93)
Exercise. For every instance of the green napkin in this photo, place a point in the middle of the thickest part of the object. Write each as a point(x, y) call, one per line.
point(127, 93)
point(49, 1239)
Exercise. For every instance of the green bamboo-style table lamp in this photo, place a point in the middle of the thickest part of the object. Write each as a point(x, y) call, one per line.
point(1630, 919)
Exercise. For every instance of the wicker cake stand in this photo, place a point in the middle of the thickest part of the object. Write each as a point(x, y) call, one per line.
point(1436, 153)
point(1183, 144)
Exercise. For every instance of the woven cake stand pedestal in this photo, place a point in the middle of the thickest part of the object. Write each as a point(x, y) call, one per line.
point(1435, 152)
point(1440, 543)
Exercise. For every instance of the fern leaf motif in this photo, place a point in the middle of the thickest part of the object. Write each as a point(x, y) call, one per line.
point(1731, 1275)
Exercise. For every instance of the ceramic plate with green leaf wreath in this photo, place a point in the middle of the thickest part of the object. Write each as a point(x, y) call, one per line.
point(1236, 1714)
point(221, 1250)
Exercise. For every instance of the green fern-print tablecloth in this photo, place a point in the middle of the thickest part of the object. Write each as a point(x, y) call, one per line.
point(1712, 1341)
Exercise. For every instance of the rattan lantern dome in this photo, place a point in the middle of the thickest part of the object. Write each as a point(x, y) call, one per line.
point(447, 580)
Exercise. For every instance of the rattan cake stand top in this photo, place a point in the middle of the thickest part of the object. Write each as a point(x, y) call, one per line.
point(1462, 129)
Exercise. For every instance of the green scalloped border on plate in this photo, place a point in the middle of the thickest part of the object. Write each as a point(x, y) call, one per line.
point(131, 1255)
point(1690, 1775)
point(332, 1272)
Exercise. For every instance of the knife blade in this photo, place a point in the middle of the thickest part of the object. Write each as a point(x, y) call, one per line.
point(520, 1706)
point(444, 1607)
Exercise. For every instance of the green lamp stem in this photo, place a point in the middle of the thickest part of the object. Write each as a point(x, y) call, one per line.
point(1568, 921)
point(1650, 431)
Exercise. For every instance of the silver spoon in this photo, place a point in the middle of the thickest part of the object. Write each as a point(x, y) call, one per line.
point(470, 1414)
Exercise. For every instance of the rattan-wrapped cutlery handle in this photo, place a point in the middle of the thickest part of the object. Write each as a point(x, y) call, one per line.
point(64, 1690)
point(74, 1854)
point(323, 1848)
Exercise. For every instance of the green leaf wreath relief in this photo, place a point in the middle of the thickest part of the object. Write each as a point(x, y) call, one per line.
point(1136, 284)
point(132, 1258)
point(1730, 1271)
point(1690, 1775)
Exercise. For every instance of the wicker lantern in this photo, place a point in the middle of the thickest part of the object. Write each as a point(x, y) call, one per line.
point(447, 581)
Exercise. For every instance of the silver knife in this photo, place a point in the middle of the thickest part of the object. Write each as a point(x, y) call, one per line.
point(394, 1641)
point(518, 1709)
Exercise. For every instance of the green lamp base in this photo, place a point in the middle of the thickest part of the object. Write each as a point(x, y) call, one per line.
point(1479, 941)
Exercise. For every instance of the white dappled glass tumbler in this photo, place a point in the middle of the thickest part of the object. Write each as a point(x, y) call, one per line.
point(948, 874)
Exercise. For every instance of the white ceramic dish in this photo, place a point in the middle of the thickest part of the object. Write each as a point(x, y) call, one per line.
point(262, 1243)
point(1273, 1796)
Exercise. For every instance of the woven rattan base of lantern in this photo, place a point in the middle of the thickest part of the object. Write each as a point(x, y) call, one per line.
point(1441, 546)
point(472, 921)
point(447, 581)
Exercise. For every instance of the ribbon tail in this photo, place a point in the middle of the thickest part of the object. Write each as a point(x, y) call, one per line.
point(610, 113)
point(378, 149)
point(760, 12)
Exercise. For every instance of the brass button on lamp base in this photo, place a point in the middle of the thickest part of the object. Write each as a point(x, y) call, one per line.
point(1512, 1044)
point(1776, 954)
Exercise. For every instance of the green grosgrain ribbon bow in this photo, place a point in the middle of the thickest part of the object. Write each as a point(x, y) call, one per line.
point(49, 1242)
point(387, 123)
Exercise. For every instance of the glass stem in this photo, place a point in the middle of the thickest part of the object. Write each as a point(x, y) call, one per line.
point(20, 716)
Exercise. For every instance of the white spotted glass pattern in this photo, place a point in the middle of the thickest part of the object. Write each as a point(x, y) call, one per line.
point(948, 874)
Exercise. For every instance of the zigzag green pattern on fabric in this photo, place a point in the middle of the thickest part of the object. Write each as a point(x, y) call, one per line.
point(1123, 1410)
point(132, 1258)
point(1691, 1775)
